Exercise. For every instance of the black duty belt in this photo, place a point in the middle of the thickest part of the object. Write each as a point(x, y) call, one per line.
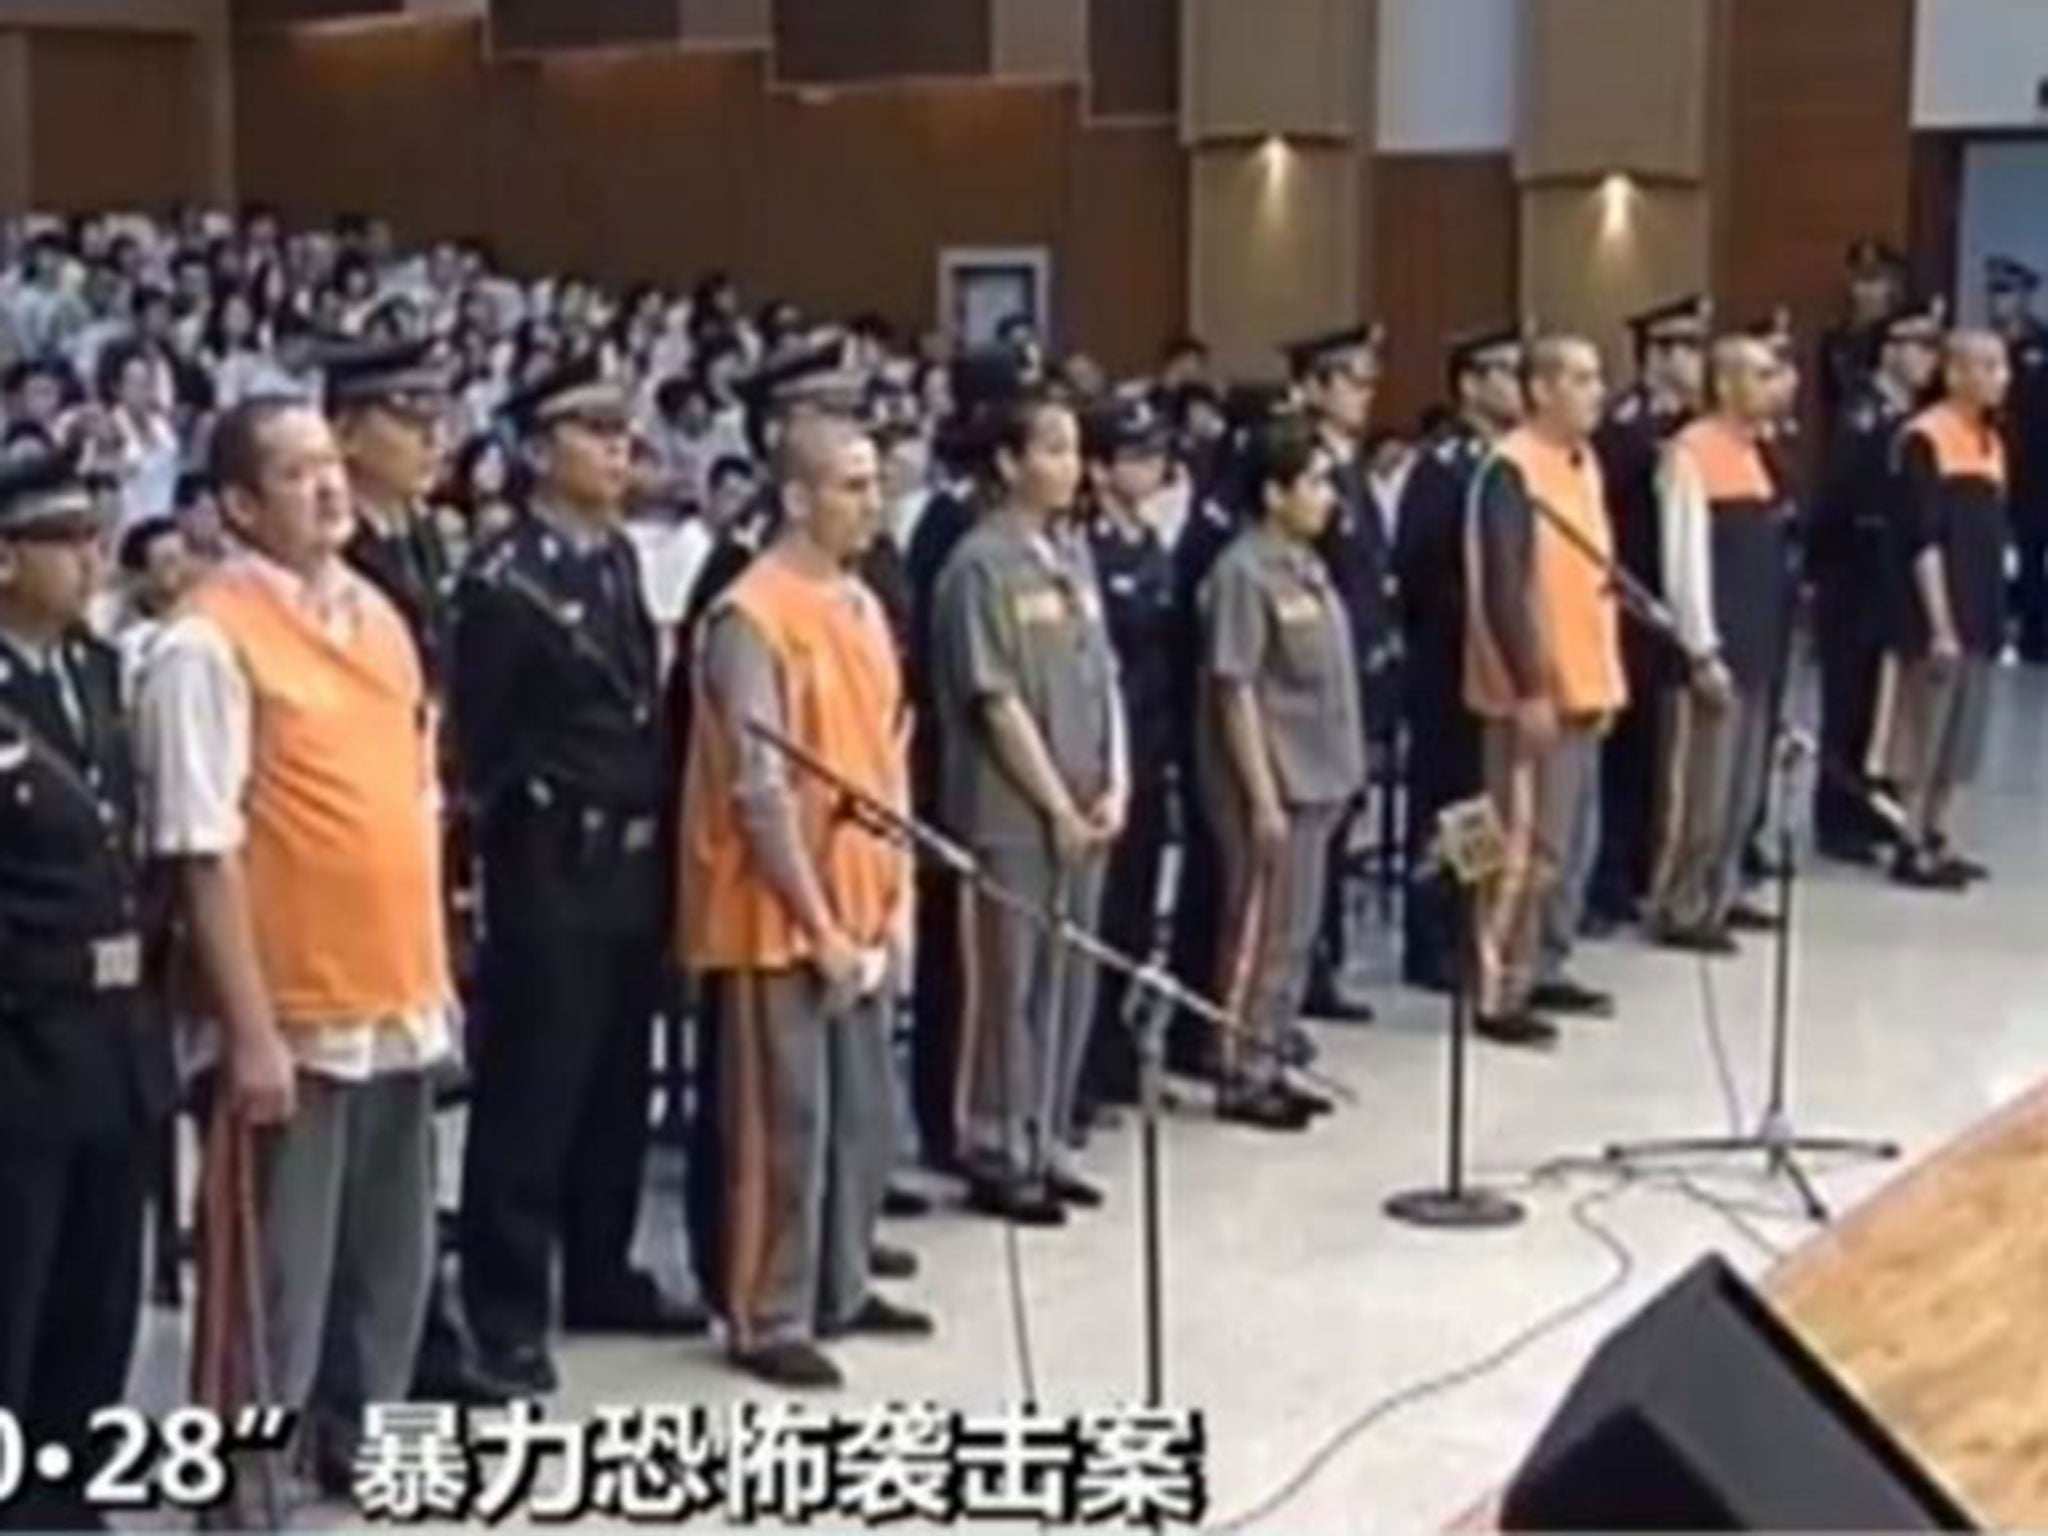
point(598, 831)
point(46, 972)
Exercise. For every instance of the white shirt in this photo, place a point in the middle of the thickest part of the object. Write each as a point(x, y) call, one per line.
point(195, 721)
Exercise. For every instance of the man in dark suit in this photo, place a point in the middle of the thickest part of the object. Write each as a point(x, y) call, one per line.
point(85, 1076)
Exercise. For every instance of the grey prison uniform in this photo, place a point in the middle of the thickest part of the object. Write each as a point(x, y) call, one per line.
point(1726, 548)
point(805, 1104)
point(1274, 623)
point(1018, 614)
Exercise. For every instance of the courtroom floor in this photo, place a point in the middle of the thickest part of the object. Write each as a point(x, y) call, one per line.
point(1295, 1306)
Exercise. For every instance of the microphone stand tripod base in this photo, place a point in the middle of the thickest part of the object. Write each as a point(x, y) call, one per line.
point(1461, 1209)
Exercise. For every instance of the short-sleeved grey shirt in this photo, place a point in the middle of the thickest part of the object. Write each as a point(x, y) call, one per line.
point(1271, 619)
point(1020, 613)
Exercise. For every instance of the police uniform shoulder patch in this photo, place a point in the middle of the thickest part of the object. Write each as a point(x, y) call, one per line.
point(1628, 409)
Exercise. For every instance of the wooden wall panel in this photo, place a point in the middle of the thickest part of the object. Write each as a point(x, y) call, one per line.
point(1273, 248)
point(844, 40)
point(1134, 58)
point(17, 125)
point(187, 16)
point(1445, 231)
point(394, 120)
point(1818, 149)
point(1935, 201)
point(664, 164)
point(1588, 262)
point(1616, 85)
point(113, 121)
point(731, 23)
point(519, 25)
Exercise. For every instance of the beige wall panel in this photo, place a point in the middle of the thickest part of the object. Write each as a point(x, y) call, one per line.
point(1040, 39)
point(1273, 248)
point(1592, 255)
point(1258, 67)
point(1617, 85)
point(736, 23)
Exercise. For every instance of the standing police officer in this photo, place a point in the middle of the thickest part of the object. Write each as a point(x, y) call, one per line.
point(1125, 446)
point(2011, 286)
point(84, 1071)
point(1429, 560)
point(1338, 376)
point(557, 711)
point(1670, 343)
point(1848, 556)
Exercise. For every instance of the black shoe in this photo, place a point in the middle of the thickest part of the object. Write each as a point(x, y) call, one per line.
point(1743, 918)
point(526, 1369)
point(793, 1364)
point(1025, 1202)
point(1714, 942)
point(462, 1381)
point(1326, 1000)
point(886, 1320)
point(904, 1203)
point(635, 1304)
point(1523, 1029)
point(1072, 1189)
point(1265, 1110)
point(886, 1263)
point(1569, 997)
point(1969, 870)
point(1314, 1105)
point(1921, 871)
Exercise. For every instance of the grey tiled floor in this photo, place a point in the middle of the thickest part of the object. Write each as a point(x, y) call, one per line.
point(1294, 1304)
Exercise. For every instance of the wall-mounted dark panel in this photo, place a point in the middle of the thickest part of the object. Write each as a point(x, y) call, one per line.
point(842, 41)
point(289, 13)
point(519, 26)
point(1134, 58)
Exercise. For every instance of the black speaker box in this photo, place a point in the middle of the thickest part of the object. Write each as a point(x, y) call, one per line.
point(1706, 1413)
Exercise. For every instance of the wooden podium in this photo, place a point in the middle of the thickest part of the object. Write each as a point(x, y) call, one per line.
point(1931, 1302)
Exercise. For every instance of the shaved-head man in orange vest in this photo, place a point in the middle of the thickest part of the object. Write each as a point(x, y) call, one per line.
point(796, 915)
point(1542, 660)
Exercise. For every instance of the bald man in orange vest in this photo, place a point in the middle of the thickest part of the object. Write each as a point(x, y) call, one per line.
point(796, 915)
point(1542, 661)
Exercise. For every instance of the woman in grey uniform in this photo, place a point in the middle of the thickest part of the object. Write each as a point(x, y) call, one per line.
point(1036, 784)
point(1279, 756)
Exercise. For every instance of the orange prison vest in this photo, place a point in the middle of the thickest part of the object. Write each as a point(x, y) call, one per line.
point(343, 853)
point(1577, 624)
point(842, 702)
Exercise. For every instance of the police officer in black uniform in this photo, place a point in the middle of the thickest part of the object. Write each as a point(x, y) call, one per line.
point(1670, 346)
point(1847, 560)
point(557, 708)
point(1125, 444)
point(1849, 347)
point(388, 402)
point(1337, 377)
point(1429, 561)
point(85, 1075)
point(2011, 286)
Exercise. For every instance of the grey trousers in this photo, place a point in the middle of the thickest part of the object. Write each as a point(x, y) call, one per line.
point(1272, 909)
point(806, 1114)
point(345, 1196)
point(1028, 1009)
point(1564, 907)
point(1542, 802)
point(1715, 765)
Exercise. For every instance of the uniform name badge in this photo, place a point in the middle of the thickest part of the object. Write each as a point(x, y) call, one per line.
point(116, 963)
point(1044, 606)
